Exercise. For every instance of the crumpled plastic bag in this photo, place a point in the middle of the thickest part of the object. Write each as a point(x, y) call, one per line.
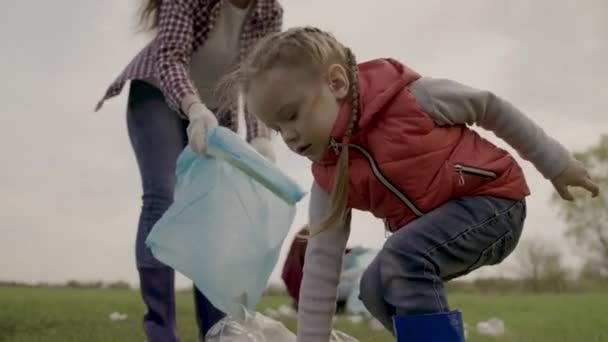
point(255, 327)
point(117, 316)
point(492, 327)
point(225, 227)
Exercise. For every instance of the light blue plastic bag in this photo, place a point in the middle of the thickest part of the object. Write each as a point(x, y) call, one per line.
point(226, 227)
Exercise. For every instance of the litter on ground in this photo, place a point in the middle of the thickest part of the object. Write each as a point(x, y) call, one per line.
point(492, 327)
point(117, 316)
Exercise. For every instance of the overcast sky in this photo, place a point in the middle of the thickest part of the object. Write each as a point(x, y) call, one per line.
point(70, 184)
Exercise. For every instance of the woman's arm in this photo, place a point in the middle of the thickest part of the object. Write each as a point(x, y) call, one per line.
point(175, 39)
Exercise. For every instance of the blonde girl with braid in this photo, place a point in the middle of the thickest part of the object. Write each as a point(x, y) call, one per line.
point(384, 139)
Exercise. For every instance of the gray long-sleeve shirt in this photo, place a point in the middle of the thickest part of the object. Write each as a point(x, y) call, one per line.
point(448, 103)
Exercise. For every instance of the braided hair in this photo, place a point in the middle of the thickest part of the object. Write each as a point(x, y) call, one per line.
point(302, 47)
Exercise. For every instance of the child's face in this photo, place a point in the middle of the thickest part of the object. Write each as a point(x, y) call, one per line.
point(300, 106)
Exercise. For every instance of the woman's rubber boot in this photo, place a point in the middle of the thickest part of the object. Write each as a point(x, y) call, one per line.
point(435, 327)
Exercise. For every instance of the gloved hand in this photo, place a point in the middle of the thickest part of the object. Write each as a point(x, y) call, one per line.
point(201, 120)
point(264, 147)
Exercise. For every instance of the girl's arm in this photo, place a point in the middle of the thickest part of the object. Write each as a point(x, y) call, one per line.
point(322, 266)
point(450, 103)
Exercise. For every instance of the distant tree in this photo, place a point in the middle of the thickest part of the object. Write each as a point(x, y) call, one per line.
point(541, 266)
point(586, 217)
point(120, 284)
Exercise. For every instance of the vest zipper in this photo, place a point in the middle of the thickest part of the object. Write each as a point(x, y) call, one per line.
point(381, 178)
point(472, 171)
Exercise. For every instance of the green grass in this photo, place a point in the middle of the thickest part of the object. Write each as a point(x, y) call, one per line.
point(63, 314)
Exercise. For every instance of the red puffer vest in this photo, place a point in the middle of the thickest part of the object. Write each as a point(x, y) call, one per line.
point(402, 164)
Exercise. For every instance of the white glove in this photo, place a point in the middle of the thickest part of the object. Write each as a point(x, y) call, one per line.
point(201, 119)
point(264, 147)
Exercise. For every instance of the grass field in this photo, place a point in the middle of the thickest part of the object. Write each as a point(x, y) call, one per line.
point(64, 314)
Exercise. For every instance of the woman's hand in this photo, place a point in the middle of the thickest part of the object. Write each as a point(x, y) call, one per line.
point(201, 120)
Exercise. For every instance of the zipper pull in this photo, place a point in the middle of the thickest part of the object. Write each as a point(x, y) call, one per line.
point(335, 146)
point(460, 175)
point(387, 230)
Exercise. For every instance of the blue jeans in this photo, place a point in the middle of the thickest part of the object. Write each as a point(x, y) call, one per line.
point(407, 275)
point(158, 136)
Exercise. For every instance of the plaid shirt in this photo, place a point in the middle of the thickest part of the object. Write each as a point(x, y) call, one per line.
point(183, 26)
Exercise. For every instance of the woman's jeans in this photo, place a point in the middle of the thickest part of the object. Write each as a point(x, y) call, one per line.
point(158, 136)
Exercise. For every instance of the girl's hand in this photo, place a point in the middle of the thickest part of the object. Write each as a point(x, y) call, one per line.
point(575, 174)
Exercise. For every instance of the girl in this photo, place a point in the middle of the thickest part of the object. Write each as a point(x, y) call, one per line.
point(384, 139)
point(170, 103)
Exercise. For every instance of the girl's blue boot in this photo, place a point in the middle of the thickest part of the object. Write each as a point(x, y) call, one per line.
point(435, 327)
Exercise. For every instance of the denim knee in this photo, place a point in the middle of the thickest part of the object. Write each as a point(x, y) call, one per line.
point(371, 294)
point(410, 278)
point(154, 206)
point(154, 203)
point(399, 257)
point(379, 273)
point(370, 289)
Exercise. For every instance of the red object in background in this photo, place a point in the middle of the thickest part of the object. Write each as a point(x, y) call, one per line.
point(294, 264)
point(293, 268)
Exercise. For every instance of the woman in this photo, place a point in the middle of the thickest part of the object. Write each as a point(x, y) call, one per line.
point(171, 104)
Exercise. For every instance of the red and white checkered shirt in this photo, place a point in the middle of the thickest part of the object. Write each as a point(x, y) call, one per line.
point(183, 26)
